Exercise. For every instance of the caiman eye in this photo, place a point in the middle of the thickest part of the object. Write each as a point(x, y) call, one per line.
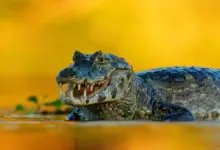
point(101, 60)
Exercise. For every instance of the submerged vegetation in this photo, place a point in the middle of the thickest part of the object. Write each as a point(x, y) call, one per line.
point(57, 104)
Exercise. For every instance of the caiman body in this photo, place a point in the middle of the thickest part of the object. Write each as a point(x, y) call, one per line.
point(105, 87)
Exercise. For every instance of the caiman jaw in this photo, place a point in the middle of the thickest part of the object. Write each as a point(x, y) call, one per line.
point(83, 90)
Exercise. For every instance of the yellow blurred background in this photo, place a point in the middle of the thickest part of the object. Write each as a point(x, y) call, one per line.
point(38, 38)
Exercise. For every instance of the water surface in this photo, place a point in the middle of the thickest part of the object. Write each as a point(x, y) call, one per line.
point(51, 132)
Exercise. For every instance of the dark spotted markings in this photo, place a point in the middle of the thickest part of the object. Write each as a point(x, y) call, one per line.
point(114, 92)
point(101, 97)
point(178, 74)
point(128, 76)
point(122, 83)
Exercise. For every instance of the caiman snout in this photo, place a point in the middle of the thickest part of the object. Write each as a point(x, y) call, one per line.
point(64, 74)
point(67, 72)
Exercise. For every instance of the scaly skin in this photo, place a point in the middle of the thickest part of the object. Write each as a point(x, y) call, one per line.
point(160, 94)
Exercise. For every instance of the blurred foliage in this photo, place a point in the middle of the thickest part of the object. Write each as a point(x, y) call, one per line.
point(31, 111)
point(33, 99)
point(19, 107)
point(57, 103)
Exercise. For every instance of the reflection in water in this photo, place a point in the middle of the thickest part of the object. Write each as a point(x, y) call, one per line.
point(59, 135)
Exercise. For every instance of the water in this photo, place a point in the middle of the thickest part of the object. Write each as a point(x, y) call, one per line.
point(35, 132)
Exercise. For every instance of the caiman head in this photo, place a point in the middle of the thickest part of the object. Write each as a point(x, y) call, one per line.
point(94, 78)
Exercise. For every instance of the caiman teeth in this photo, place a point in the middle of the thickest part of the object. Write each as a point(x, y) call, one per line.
point(91, 87)
point(79, 86)
point(61, 87)
point(71, 94)
point(85, 96)
point(83, 89)
point(85, 82)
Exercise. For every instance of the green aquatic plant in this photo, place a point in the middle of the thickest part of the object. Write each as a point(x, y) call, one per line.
point(30, 111)
point(19, 107)
point(34, 100)
point(57, 103)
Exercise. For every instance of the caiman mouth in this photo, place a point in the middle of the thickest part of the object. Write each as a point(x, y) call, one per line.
point(81, 90)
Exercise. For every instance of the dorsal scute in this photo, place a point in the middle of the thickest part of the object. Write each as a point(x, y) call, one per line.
point(77, 55)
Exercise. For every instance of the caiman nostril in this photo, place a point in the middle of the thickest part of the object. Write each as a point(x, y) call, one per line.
point(67, 72)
